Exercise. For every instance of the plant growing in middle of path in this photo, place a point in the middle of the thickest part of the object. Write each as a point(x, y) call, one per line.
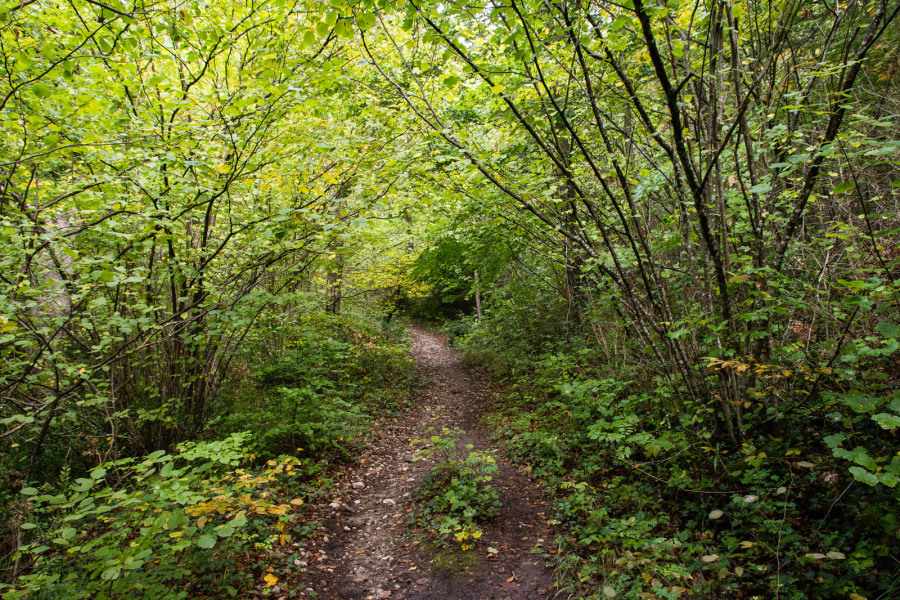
point(456, 496)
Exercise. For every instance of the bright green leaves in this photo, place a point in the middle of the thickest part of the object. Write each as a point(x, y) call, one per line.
point(41, 90)
point(205, 541)
point(177, 520)
point(366, 21)
point(761, 188)
point(142, 533)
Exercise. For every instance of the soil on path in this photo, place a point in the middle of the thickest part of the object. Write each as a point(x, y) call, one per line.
point(368, 552)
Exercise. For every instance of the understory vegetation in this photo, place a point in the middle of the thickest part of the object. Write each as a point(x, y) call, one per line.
point(670, 227)
point(653, 504)
point(217, 515)
point(456, 496)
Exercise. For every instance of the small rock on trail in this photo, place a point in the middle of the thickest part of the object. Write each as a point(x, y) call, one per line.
point(367, 553)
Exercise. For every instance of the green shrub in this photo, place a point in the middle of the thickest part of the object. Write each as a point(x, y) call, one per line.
point(456, 496)
point(318, 392)
point(165, 526)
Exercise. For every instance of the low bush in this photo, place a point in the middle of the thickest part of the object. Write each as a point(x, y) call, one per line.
point(165, 526)
point(319, 392)
point(654, 505)
point(456, 496)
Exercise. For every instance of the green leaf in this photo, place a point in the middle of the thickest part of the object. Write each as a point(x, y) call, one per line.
point(888, 479)
point(29, 491)
point(860, 401)
point(844, 187)
point(886, 420)
point(98, 473)
point(833, 440)
point(864, 476)
point(888, 330)
point(41, 90)
point(205, 541)
point(761, 188)
point(225, 532)
point(177, 520)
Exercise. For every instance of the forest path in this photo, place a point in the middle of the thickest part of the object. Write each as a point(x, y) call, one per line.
point(368, 552)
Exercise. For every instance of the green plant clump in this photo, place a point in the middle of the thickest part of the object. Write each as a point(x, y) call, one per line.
point(161, 527)
point(456, 496)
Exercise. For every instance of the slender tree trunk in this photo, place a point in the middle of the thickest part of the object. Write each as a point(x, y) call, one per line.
point(478, 314)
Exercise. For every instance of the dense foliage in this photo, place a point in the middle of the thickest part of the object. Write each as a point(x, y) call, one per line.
point(671, 226)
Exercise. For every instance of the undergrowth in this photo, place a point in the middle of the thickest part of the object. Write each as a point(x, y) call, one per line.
point(223, 516)
point(652, 505)
point(456, 496)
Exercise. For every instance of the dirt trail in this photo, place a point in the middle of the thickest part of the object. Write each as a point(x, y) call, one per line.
point(368, 552)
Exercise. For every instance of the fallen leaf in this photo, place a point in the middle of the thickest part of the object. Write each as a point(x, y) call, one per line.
point(710, 558)
point(716, 514)
point(833, 555)
point(297, 501)
point(270, 580)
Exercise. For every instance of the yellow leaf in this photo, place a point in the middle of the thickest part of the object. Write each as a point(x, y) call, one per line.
point(297, 501)
point(270, 580)
point(201, 522)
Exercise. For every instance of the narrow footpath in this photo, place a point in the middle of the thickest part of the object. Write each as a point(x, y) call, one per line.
point(369, 552)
